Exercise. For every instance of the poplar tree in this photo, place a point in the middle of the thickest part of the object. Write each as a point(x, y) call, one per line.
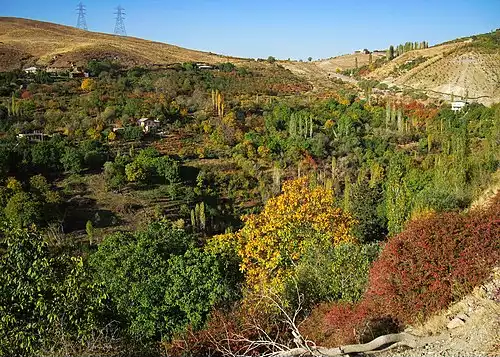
point(390, 52)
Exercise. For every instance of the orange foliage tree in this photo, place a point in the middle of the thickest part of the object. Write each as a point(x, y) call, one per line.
point(87, 84)
point(420, 114)
point(271, 242)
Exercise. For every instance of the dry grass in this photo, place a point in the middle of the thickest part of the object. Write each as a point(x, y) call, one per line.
point(346, 61)
point(43, 43)
point(457, 69)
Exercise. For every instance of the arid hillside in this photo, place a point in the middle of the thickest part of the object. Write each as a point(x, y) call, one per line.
point(27, 42)
point(466, 68)
point(459, 69)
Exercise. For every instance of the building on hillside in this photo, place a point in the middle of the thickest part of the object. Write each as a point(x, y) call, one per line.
point(458, 105)
point(78, 73)
point(33, 136)
point(148, 125)
point(31, 70)
point(204, 66)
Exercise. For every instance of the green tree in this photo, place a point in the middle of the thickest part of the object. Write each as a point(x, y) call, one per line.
point(327, 274)
point(43, 298)
point(397, 195)
point(168, 168)
point(46, 156)
point(271, 59)
point(158, 281)
point(72, 160)
point(390, 53)
point(367, 210)
point(114, 174)
point(89, 228)
point(24, 209)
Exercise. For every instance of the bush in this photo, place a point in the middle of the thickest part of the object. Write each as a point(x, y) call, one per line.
point(46, 156)
point(337, 273)
point(114, 175)
point(132, 133)
point(23, 209)
point(72, 160)
point(436, 260)
point(226, 67)
point(271, 59)
point(344, 323)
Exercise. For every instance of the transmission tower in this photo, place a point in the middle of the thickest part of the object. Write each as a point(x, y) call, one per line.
point(82, 22)
point(120, 24)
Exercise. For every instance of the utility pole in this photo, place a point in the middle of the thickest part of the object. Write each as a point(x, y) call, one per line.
point(120, 24)
point(82, 22)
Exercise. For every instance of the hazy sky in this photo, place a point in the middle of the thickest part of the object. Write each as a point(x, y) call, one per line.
point(281, 28)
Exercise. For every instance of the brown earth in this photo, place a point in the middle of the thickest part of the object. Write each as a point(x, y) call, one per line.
point(456, 70)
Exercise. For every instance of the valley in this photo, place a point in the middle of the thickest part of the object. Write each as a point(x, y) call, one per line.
point(162, 201)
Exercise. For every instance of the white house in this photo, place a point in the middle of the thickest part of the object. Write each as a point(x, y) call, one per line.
point(204, 66)
point(148, 124)
point(32, 70)
point(457, 105)
point(33, 136)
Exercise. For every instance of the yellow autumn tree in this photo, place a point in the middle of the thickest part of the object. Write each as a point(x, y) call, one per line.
point(87, 84)
point(271, 242)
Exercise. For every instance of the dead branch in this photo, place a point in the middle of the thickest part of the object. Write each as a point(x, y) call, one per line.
point(389, 342)
point(269, 347)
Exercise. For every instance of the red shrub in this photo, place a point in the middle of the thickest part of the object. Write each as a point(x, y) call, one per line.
point(25, 94)
point(229, 331)
point(340, 324)
point(434, 261)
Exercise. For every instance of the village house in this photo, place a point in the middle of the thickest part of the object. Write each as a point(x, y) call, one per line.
point(31, 70)
point(148, 125)
point(204, 66)
point(33, 136)
point(78, 73)
point(56, 70)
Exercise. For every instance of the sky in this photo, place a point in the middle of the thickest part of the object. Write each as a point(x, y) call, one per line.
point(280, 28)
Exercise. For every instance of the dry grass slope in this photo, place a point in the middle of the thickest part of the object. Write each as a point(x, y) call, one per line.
point(27, 42)
point(460, 69)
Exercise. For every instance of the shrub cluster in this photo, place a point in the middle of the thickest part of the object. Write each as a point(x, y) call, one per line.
point(435, 261)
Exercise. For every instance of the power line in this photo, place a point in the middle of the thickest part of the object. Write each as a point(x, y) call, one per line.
point(120, 24)
point(82, 22)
